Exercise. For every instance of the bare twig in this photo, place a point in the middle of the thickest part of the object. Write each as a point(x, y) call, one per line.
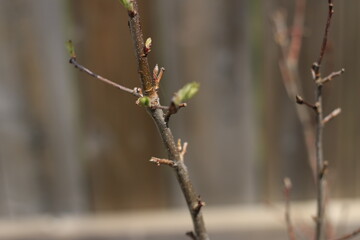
point(161, 161)
point(290, 48)
point(300, 101)
point(332, 75)
point(327, 26)
point(136, 91)
point(191, 234)
point(287, 194)
point(320, 166)
point(297, 32)
point(349, 235)
point(332, 115)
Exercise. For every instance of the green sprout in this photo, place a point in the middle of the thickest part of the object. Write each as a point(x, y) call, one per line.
point(144, 101)
point(128, 4)
point(71, 49)
point(186, 93)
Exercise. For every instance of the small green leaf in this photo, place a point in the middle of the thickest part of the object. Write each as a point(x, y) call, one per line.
point(128, 4)
point(144, 101)
point(148, 43)
point(185, 93)
point(71, 49)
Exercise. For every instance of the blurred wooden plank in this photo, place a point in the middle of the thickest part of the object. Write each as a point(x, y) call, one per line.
point(41, 166)
point(119, 136)
point(208, 42)
point(230, 222)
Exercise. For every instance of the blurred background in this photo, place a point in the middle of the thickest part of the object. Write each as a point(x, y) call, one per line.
point(73, 146)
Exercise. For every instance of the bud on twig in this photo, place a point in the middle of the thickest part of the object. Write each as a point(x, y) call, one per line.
point(186, 92)
point(128, 4)
point(71, 49)
point(147, 47)
point(144, 101)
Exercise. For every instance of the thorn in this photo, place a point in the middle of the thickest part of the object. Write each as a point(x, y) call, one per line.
point(331, 76)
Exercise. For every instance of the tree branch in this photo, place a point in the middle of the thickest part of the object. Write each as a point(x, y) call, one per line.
point(290, 48)
point(149, 85)
point(136, 91)
point(350, 235)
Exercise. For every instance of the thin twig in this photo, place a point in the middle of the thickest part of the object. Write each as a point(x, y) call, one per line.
point(349, 235)
point(287, 194)
point(321, 180)
point(332, 75)
point(332, 115)
point(136, 91)
point(327, 26)
point(161, 161)
point(297, 32)
point(300, 101)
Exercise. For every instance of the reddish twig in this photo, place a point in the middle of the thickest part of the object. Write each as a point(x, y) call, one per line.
point(290, 48)
point(320, 166)
point(297, 32)
point(327, 26)
point(150, 85)
point(136, 91)
point(349, 235)
point(287, 194)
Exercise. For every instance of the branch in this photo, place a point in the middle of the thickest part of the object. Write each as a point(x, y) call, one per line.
point(327, 26)
point(287, 193)
point(331, 116)
point(150, 89)
point(290, 48)
point(136, 91)
point(320, 166)
point(349, 236)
